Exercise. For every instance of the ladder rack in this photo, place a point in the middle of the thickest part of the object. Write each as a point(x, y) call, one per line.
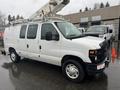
point(46, 13)
point(37, 19)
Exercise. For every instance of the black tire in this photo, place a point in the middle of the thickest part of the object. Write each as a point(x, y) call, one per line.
point(81, 75)
point(16, 57)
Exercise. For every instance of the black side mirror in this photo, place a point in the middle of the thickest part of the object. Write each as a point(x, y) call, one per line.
point(110, 31)
point(49, 36)
point(55, 37)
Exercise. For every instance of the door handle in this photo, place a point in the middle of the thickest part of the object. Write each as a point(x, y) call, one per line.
point(27, 46)
point(40, 47)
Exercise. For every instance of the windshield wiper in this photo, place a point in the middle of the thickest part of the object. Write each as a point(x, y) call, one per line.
point(71, 36)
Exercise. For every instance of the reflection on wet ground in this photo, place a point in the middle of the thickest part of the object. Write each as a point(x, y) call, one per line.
point(33, 75)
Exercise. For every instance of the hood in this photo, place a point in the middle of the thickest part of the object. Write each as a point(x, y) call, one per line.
point(92, 42)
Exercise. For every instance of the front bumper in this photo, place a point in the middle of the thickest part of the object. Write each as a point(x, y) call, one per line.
point(93, 69)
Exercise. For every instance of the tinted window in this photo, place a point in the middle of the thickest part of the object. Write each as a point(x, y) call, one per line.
point(85, 24)
point(95, 23)
point(47, 28)
point(32, 31)
point(23, 31)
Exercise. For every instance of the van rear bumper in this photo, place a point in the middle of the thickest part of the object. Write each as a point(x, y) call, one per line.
point(93, 69)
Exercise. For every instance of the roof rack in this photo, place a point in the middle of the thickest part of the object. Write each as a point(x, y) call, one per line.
point(36, 19)
point(46, 13)
point(55, 18)
point(19, 21)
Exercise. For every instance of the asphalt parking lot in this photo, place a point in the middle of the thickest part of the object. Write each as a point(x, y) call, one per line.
point(32, 75)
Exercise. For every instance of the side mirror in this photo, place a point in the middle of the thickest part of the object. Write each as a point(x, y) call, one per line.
point(55, 37)
point(49, 36)
point(110, 31)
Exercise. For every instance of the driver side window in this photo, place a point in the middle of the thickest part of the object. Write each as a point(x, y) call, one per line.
point(47, 27)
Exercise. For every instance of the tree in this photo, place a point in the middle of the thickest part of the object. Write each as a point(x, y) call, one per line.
point(107, 4)
point(80, 10)
point(18, 17)
point(102, 5)
point(13, 19)
point(2, 22)
point(21, 17)
point(96, 6)
point(86, 9)
point(119, 3)
point(1, 18)
point(9, 18)
point(90, 9)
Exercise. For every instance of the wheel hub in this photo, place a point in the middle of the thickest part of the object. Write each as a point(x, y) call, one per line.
point(13, 56)
point(72, 71)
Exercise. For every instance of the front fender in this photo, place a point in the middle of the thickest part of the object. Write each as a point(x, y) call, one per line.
point(85, 58)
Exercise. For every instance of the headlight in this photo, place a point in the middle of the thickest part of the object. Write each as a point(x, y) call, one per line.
point(92, 53)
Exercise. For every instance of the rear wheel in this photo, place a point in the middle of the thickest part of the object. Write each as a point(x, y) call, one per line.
point(14, 56)
point(73, 71)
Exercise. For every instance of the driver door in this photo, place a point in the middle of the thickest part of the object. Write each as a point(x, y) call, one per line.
point(50, 50)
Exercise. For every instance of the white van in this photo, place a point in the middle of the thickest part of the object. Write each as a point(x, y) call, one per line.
point(106, 32)
point(59, 43)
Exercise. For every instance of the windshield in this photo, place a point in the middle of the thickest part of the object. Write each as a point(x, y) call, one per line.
point(97, 29)
point(68, 30)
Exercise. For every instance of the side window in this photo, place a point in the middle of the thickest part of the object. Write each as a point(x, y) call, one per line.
point(47, 28)
point(32, 31)
point(23, 31)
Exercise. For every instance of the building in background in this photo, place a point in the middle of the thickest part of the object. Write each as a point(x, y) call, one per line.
point(105, 16)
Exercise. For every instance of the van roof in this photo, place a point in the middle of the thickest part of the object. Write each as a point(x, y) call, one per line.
point(38, 21)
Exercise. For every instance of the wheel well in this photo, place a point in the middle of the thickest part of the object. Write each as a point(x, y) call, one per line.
point(78, 59)
point(11, 49)
point(67, 57)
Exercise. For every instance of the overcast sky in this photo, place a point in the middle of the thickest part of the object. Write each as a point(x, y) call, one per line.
point(28, 7)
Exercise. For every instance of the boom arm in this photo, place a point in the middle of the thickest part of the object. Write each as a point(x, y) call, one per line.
point(50, 8)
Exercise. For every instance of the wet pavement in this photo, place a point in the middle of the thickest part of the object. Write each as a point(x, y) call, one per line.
point(33, 75)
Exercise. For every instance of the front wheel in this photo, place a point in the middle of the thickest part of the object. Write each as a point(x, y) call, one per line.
point(14, 57)
point(73, 71)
